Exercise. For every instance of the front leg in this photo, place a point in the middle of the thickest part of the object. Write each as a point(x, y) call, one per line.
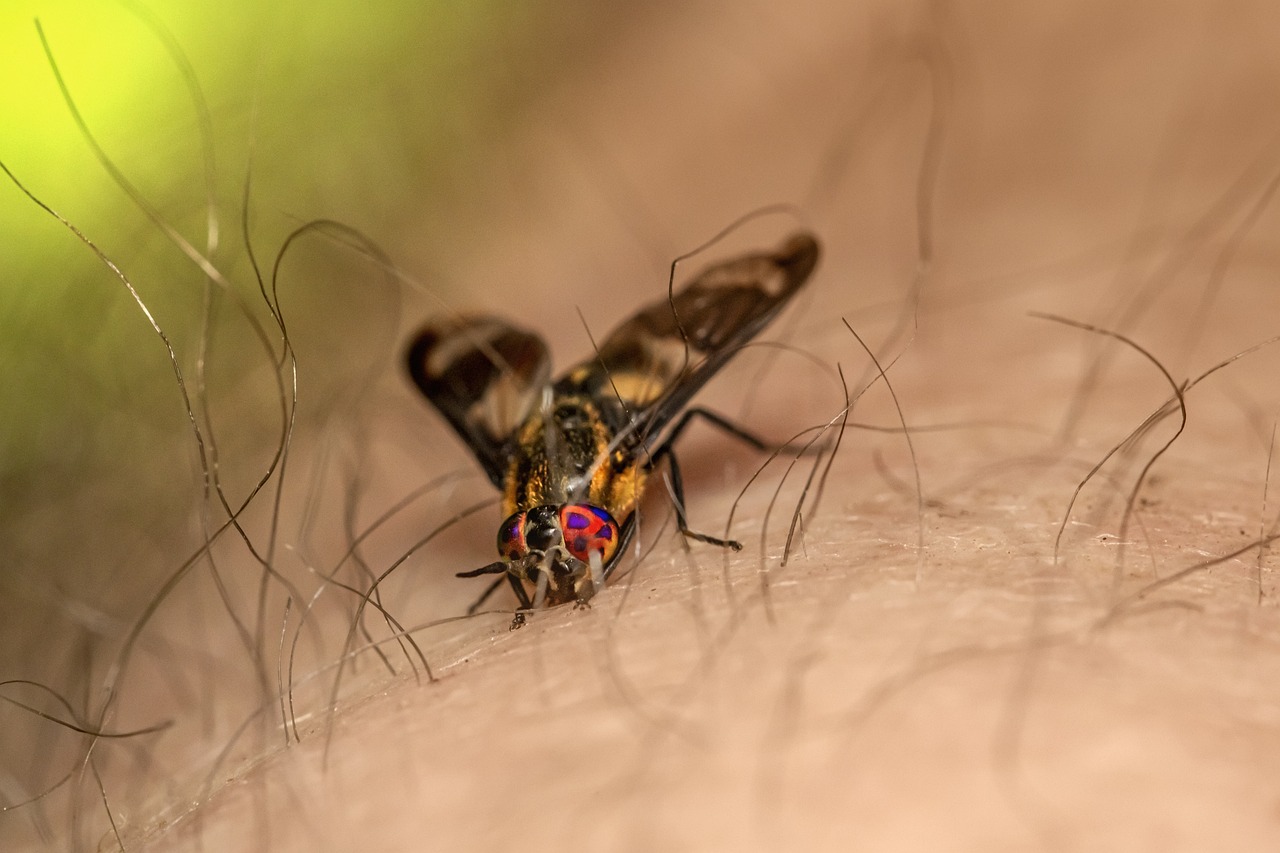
point(522, 596)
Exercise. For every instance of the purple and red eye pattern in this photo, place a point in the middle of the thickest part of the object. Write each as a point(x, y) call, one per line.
point(588, 529)
point(511, 544)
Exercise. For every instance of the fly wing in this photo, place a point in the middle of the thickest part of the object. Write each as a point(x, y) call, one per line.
point(656, 361)
point(484, 376)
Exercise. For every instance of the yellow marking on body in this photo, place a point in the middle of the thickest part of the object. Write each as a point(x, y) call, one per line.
point(624, 492)
point(616, 488)
point(637, 389)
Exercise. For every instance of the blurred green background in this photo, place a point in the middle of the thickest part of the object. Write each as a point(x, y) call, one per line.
point(383, 117)
point(379, 116)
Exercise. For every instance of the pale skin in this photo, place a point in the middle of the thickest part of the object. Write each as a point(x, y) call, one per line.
point(929, 670)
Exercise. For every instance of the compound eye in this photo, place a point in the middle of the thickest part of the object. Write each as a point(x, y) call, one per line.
point(589, 529)
point(511, 543)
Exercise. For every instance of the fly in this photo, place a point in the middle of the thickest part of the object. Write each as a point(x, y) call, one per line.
point(572, 456)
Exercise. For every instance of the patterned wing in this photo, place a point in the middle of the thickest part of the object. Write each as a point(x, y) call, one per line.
point(656, 361)
point(484, 376)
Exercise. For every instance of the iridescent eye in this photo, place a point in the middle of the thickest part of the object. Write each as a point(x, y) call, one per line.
point(511, 537)
point(587, 530)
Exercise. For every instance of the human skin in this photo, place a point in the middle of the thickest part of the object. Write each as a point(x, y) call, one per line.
point(930, 670)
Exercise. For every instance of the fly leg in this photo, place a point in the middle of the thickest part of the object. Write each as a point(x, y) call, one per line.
point(667, 451)
point(504, 568)
point(523, 597)
point(484, 596)
point(716, 420)
point(624, 540)
point(725, 425)
point(677, 494)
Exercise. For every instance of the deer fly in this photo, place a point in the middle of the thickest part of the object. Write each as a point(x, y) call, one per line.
point(572, 456)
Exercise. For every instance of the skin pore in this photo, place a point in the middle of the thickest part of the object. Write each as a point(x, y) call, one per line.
point(965, 649)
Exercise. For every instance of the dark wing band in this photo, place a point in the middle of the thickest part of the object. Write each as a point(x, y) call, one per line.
point(484, 376)
point(656, 361)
